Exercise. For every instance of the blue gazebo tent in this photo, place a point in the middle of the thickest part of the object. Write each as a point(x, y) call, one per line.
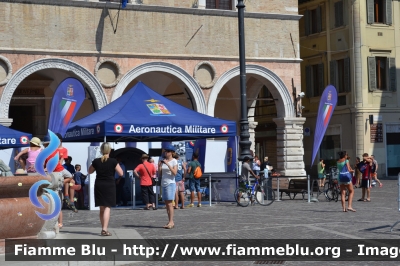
point(142, 114)
point(10, 138)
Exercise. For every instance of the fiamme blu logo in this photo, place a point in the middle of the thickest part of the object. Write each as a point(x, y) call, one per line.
point(51, 165)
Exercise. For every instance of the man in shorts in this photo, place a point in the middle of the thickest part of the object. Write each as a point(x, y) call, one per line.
point(365, 168)
point(245, 174)
point(194, 183)
point(375, 170)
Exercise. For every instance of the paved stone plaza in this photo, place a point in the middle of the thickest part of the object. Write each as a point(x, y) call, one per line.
point(288, 219)
point(285, 219)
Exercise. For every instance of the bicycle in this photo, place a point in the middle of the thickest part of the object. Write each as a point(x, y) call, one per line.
point(263, 194)
point(332, 187)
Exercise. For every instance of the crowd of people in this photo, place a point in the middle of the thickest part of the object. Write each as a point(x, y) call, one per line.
point(73, 179)
point(171, 169)
point(363, 174)
point(110, 178)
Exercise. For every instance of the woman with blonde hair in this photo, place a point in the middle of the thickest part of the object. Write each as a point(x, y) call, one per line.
point(168, 169)
point(104, 186)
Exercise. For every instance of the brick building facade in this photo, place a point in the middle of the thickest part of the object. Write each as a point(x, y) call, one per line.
point(185, 50)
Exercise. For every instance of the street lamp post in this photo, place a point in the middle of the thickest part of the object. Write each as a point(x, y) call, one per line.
point(244, 142)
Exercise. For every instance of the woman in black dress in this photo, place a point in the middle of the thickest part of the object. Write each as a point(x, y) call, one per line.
point(104, 186)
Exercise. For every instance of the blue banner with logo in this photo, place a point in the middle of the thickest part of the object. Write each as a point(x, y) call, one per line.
point(67, 100)
point(327, 105)
point(231, 154)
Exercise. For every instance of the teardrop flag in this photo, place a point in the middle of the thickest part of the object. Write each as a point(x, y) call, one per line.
point(326, 106)
point(67, 100)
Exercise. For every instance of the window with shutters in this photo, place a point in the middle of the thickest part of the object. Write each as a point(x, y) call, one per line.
point(314, 80)
point(339, 14)
point(219, 4)
point(340, 71)
point(340, 74)
point(382, 73)
point(379, 11)
point(313, 21)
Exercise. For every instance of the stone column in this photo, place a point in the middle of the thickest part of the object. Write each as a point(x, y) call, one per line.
point(6, 121)
point(290, 150)
point(252, 127)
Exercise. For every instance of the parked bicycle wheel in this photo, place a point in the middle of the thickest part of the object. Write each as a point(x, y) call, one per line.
point(337, 194)
point(326, 185)
point(242, 196)
point(332, 194)
point(265, 195)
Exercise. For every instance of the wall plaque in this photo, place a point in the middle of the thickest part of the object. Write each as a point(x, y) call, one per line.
point(376, 132)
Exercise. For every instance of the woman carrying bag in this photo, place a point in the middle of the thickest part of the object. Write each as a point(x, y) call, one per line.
point(345, 180)
point(168, 169)
point(145, 173)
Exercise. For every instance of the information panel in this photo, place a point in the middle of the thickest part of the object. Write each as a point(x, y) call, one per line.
point(376, 133)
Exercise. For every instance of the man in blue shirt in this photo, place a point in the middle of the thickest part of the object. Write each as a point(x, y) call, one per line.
point(81, 188)
point(68, 166)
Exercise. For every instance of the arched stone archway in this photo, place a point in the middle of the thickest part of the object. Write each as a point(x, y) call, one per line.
point(88, 78)
point(290, 149)
point(188, 80)
point(284, 105)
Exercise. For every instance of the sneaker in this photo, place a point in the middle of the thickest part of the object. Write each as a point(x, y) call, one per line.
point(73, 208)
point(199, 205)
point(67, 204)
point(190, 205)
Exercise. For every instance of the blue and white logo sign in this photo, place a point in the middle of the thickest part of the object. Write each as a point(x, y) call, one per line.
point(51, 165)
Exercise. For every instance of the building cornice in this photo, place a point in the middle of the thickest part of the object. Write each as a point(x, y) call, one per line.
point(351, 110)
point(162, 9)
point(7, 50)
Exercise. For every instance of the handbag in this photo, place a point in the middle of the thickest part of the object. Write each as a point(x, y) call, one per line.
point(362, 166)
point(153, 181)
point(354, 179)
point(181, 186)
point(345, 176)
